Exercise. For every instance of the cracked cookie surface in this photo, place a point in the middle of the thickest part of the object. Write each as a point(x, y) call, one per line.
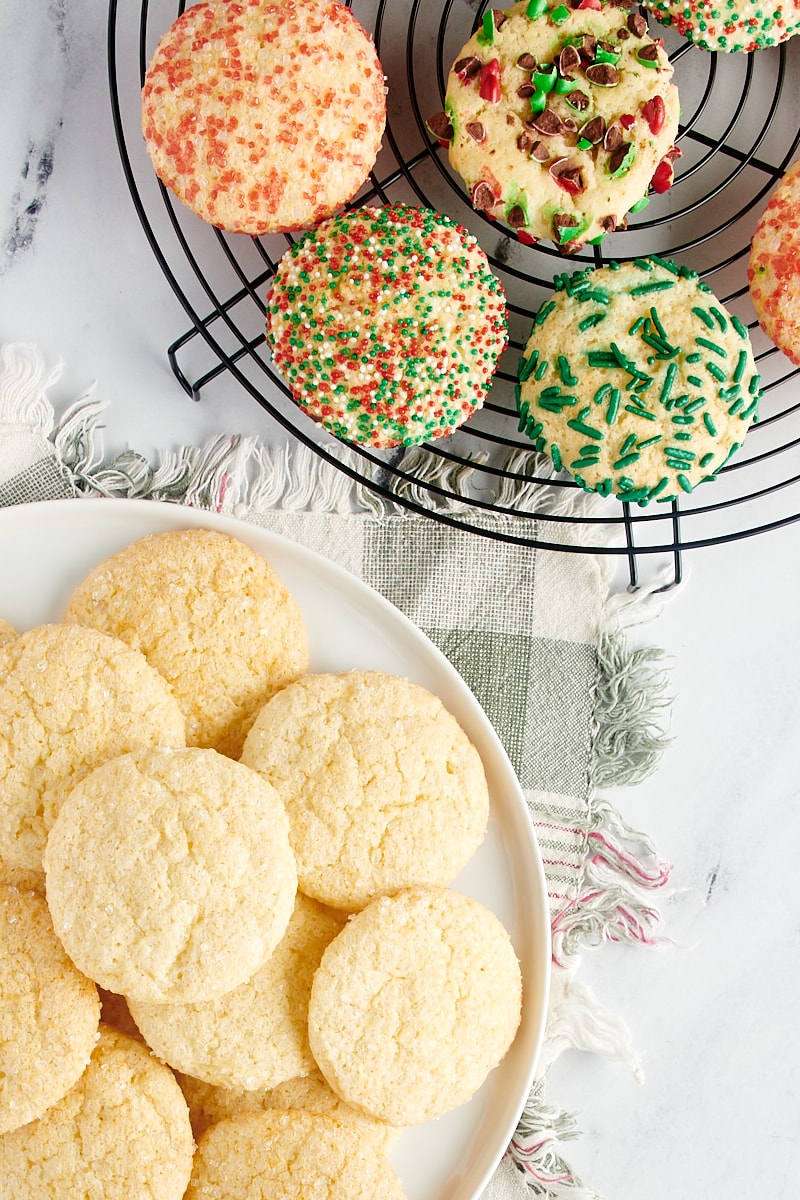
point(382, 787)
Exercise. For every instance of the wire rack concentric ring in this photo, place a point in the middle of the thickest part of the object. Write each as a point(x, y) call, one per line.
point(739, 132)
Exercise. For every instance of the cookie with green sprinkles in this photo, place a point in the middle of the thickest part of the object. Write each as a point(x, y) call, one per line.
point(560, 118)
point(636, 380)
point(729, 25)
point(387, 324)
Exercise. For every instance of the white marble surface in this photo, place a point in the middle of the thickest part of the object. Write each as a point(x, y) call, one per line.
point(714, 1016)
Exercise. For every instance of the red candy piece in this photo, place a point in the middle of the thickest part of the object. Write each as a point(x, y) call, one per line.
point(627, 120)
point(654, 112)
point(489, 86)
point(595, 4)
point(664, 174)
point(526, 238)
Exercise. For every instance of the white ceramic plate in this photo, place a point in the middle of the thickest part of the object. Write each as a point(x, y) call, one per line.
point(47, 548)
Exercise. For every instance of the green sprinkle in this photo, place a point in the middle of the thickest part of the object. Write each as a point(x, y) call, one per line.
point(717, 349)
point(567, 378)
point(716, 372)
point(659, 285)
point(679, 454)
point(685, 483)
point(592, 319)
point(640, 412)
point(751, 408)
point(694, 357)
point(709, 424)
point(662, 333)
point(613, 406)
point(695, 404)
point(643, 264)
point(736, 407)
point(604, 487)
point(637, 325)
point(755, 384)
point(669, 380)
point(527, 366)
point(720, 319)
point(729, 393)
point(706, 460)
point(695, 380)
point(626, 460)
point(533, 429)
point(651, 441)
point(523, 416)
point(704, 317)
point(549, 392)
point(740, 328)
point(601, 393)
point(579, 463)
point(668, 265)
point(555, 454)
point(628, 444)
point(599, 294)
point(741, 363)
point(683, 420)
point(659, 488)
point(544, 313)
point(541, 370)
point(587, 430)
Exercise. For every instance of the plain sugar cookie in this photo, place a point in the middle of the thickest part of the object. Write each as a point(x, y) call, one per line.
point(121, 1133)
point(70, 699)
point(255, 1036)
point(290, 1156)
point(414, 1003)
point(7, 632)
point(49, 1012)
point(211, 615)
point(264, 117)
point(381, 785)
point(170, 876)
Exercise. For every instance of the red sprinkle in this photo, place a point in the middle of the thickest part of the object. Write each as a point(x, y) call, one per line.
point(490, 82)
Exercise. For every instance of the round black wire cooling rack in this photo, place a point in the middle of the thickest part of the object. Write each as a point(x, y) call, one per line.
point(740, 131)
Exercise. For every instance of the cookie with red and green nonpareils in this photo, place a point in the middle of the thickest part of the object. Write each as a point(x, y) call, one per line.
point(637, 381)
point(264, 117)
point(387, 325)
point(773, 270)
point(561, 118)
point(729, 25)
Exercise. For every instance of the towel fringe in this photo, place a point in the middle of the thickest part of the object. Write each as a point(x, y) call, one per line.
point(24, 384)
point(535, 1151)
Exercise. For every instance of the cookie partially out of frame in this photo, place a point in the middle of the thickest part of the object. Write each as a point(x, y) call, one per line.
point(387, 325)
point(169, 875)
point(637, 381)
point(210, 615)
point(414, 1003)
point(559, 117)
point(290, 1156)
point(729, 25)
point(121, 1133)
point(264, 117)
point(70, 698)
point(773, 269)
point(381, 785)
point(49, 1012)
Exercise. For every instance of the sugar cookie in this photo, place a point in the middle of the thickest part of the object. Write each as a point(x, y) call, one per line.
point(729, 25)
point(387, 325)
point(289, 1156)
point(381, 785)
point(49, 1012)
point(169, 875)
point(121, 1133)
point(210, 615)
point(637, 380)
point(773, 269)
point(414, 1003)
point(264, 117)
point(256, 1035)
point(7, 632)
point(560, 117)
point(70, 698)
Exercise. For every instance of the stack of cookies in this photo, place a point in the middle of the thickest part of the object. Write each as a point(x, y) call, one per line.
point(249, 866)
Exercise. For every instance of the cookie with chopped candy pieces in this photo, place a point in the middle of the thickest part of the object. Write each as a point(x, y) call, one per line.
point(560, 117)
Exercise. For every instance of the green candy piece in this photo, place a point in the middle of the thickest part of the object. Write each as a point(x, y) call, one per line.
point(559, 15)
point(535, 9)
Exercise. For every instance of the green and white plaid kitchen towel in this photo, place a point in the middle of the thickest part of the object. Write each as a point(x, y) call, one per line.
point(535, 634)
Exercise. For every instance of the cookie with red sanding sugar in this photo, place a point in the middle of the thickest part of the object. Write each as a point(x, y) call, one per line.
point(264, 117)
point(729, 25)
point(560, 117)
point(387, 325)
point(773, 270)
